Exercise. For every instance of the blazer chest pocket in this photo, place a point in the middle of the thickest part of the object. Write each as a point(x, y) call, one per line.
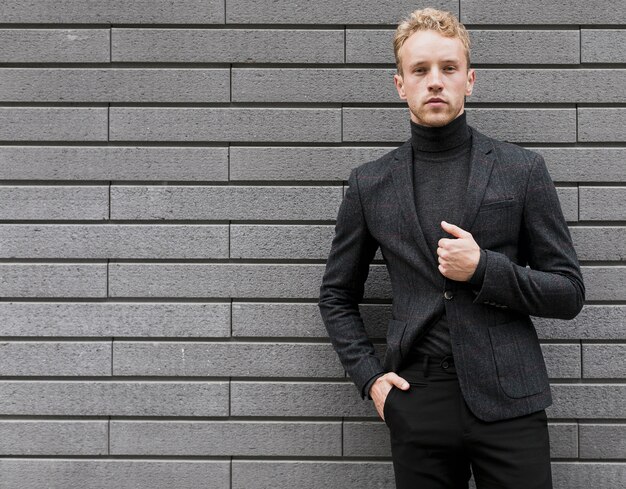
point(494, 224)
point(519, 362)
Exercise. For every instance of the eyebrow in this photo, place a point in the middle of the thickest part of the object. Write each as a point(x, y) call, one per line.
point(451, 60)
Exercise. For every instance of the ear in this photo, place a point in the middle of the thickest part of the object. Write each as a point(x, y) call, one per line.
point(399, 82)
point(471, 78)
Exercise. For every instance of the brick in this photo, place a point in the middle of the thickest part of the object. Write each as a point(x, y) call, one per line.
point(122, 474)
point(54, 46)
point(604, 441)
point(593, 322)
point(279, 319)
point(599, 242)
point(576, 475)
point(227, 45)
point(604, 360)
point(53, 279)
point(602, 203)
point(114, 85)
point(587, 401)
point(332, 399)
point(371, 439)
point(113, 163)
point(568, 199)
point(326, 11)
point(112, 11)
point(333, 85)
point(225, 359)
point(311, 474)
point(229, 280)
point(549, 86)
point(54, 202)
point(226, 438)
point(224, 202)
point(601, 124)
point(573, 164)
point(538, 12)
point(275, 163)
point(51, 437)
point(562, 360)
point(280, 241)
point(488, 46)
point(515, 125)
point(605, 283)
point(53, 124)
point(603, 45)
point(225, 124)
point(58, 358)
point(119, 319)
point(113, 398)
point(113, 241)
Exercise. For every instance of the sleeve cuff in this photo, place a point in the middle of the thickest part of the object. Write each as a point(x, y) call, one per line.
point(479, 274)
point(368, 385)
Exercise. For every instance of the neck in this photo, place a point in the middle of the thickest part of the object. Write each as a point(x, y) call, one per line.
point(442, 138)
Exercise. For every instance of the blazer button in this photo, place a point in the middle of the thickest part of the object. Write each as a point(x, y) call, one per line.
point(448, 294)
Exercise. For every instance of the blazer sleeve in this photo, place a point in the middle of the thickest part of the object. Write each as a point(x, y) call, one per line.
point(553, 285)
point(342, 288)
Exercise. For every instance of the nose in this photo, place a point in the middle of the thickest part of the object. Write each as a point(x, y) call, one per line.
point(434, 79)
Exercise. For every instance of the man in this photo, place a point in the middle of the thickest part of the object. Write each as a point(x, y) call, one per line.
point(458, 216)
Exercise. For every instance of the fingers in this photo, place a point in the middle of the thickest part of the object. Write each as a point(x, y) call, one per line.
point(398, 381)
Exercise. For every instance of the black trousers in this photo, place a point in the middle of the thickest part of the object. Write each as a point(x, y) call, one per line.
point(437, 443)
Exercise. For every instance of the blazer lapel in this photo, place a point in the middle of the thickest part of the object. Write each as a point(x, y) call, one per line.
point(481, 164)
point(402, 174)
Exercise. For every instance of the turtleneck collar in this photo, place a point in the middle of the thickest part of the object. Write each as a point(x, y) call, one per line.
point(436, 139)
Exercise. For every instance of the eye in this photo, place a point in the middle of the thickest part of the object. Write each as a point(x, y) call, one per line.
point(450, 68)
point(420, 71)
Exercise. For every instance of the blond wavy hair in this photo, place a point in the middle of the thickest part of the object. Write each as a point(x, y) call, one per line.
point(431, 19)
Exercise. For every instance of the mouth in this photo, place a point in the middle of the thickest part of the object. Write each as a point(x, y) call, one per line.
point(435, 101)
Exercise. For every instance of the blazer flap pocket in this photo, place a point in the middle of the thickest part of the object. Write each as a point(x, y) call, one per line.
point(496, 204)
point(518, 358)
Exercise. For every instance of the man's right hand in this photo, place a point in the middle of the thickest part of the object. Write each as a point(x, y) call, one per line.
point(382, 386)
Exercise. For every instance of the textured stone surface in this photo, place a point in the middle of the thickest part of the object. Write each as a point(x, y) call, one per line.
point(111, 162)
point(603, 45)
point(114, 85)
point(112, 11)
point(225, 359)
point(113, 398)
point(327, 11)
point(224, 438)
point(58, 202)
point(51, 437)
point(604, 361)
point(603, 203)
point(48, 358)
point(602, 440)
point(224, 124)
point(538, 12)
point(53, 124)
point(113, 241)
point(53, 279)
point(54, 45)
point(227, 45)
point(236, 202)
point(121, 474)
point(119, 319)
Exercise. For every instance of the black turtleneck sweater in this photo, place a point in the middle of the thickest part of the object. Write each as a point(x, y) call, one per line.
point(441, 163)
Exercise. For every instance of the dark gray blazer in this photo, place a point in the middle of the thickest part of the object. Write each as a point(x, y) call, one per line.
point(513, 212)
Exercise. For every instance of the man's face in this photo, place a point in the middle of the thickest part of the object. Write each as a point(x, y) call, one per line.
point(434, 67)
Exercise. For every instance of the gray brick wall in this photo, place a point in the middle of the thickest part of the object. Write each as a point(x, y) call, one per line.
point(170, 175)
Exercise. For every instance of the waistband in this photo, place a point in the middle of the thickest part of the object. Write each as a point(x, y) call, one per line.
point(426, 363)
